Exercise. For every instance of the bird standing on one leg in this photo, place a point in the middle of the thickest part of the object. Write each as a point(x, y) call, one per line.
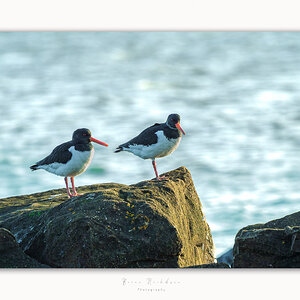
point(156, 141)
point(71, 158)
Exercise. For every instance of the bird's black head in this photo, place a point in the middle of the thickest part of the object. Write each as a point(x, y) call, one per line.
point(82, 136)
point(173, 122)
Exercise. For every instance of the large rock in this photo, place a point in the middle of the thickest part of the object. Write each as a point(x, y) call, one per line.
point(275, 244)
point(149, 224)
point(11, 255)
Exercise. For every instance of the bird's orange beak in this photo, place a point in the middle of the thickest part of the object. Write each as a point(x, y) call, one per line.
point(98, 142)
point(178, 127)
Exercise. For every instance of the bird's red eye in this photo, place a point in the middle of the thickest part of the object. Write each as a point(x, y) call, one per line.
point(84, 134)
point(173, 120)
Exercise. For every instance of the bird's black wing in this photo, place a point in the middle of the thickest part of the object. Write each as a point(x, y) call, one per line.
point(60, 154)
point(146, 137)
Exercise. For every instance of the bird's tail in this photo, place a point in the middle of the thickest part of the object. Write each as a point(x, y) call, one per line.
point(119, 149)
point(34, 167)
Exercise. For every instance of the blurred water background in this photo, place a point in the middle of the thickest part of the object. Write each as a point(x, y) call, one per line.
point(237, 94)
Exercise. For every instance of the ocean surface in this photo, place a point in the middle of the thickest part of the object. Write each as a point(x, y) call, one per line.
point(238, 95)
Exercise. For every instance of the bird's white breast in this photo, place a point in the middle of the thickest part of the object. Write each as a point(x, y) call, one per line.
point(163, 147)
point(76, 165)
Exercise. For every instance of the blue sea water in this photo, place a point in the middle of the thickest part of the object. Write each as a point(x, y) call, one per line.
point(237, 93)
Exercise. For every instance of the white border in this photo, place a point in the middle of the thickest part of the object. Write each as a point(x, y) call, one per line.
point(154, 15)
point(174, 15)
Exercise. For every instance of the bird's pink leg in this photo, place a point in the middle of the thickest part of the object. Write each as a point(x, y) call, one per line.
point(73, 187)
point(67, 186)
point(156, 174)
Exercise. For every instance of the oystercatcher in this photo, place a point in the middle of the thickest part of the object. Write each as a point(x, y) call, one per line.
point(71, 158)
point(156, 141)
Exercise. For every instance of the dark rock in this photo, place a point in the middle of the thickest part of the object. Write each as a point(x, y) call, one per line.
point(275, 244)
point(149, 224)
point(11, 255)
point(226, 257)
point(211, 266)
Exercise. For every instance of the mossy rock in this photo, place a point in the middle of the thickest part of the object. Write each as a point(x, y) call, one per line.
point(149, 224)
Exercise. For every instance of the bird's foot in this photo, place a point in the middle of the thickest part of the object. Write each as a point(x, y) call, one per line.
point(75, 195)
point(161, 178)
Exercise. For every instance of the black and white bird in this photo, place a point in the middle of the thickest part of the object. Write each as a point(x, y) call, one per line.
point(71, 158)
point(156, 141)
